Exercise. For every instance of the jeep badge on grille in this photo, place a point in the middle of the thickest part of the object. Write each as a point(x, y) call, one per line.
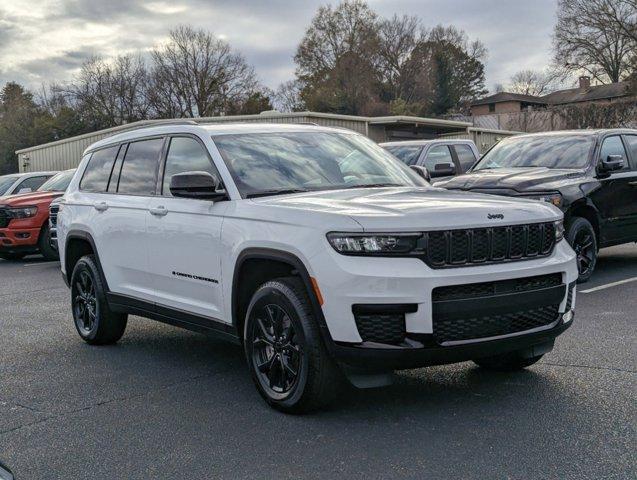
point(491, 216)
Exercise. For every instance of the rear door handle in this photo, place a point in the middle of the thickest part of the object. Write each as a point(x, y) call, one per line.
point(159, 211)
point(100, 206)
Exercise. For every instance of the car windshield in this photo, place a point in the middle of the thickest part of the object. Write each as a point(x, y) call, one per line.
point(550, 151)
point(58, 183)
point(408, 154)
point(271, 163)
point(6, 181)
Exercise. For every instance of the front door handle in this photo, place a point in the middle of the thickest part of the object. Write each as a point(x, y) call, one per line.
point(100, 206)
point(159, 211)
point(633, 183)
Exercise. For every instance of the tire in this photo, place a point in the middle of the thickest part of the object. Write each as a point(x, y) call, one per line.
point(94, 321)
point(509, 362)
point(12, 256)
point(274, 352)
point(45, 247)
point(581, 236)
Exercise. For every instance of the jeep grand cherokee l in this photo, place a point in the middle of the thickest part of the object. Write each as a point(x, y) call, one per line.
point(24, 220)
point(591, 175)
point(315, 249)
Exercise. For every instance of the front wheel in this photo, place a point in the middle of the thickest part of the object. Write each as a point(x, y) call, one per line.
point(45, 247)
point(289, 363)
point(581, 236)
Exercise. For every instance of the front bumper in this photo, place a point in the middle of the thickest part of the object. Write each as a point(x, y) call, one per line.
point(18, 240)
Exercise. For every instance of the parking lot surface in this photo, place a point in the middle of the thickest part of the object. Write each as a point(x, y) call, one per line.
point(167, 403)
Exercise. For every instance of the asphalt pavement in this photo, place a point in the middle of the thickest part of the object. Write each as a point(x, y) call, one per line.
point(168, 403)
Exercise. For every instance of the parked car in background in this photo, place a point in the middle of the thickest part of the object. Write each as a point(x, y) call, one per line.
point(591, 175)
point(24, 220)
point(314, 249)
point(16, 183)
point(442, 158)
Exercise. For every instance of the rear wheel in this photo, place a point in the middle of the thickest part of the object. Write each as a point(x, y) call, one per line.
point(45, 247)
point(581, 236)
point(289, 363)
point(94, 320)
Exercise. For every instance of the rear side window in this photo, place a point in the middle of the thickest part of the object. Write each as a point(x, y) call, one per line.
point(30, 184)
point(139, 170)
point(614, 146)
point(440, 154)
point(465, 156)
point(185, 155)
point(407, 154)
point(98, 170)
point(631, 141)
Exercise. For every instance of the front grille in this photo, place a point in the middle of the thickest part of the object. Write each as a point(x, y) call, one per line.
point(450, 248)
point(494, 325)
point(4, 220)
point(489, 289)
point(53, 215)
point(381, 327)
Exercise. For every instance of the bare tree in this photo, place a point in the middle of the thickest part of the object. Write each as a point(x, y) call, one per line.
point(196, 74)
point(287, 97)
point(533, 82)
point(109, 93)
point(597, 37)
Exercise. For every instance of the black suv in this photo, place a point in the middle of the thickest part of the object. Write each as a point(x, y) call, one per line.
point(591, 175)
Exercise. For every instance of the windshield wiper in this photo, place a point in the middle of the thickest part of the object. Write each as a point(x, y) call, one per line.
point(376, 185)
point(279, 191)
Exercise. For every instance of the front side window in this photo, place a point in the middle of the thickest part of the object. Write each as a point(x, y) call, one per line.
point(466, 156)
point(185, 155)
point(631, 142)
point(268, 163)
point(408, 154)
point(58, 183)
point(548, 151)
point(437, 155)
point(30, 184)
point(98, 170)
point(6, 181)
point(139, 170)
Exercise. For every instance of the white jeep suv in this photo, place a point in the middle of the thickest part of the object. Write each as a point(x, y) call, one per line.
point(319, 252)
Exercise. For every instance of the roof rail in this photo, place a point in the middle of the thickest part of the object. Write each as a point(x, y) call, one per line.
point(159, 123)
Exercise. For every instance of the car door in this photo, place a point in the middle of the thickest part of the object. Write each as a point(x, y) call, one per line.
point(616, 199)
point(439, 161)
point(121, 210)
point(184, 237)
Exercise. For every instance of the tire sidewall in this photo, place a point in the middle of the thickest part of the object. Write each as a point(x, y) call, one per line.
point(578, 224)
point(277, 293)
point(47, 251)
point(85, 265)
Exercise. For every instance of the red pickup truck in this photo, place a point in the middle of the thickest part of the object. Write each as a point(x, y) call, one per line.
point(24, 220)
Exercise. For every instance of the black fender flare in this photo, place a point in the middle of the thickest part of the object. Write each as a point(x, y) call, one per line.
point(87, 237)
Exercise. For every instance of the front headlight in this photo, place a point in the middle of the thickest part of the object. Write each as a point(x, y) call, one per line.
point(21, 212)
point(373, 244)
point(552, 198)
point(559, 230)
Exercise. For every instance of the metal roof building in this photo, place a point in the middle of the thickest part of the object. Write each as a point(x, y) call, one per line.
point(64, 154)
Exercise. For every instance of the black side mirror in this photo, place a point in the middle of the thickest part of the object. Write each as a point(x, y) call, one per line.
point(421, 171)
point(443, 170)
point(612, 163)
point(199, 185)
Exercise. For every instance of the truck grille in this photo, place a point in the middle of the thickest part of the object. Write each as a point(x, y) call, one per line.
point(490, 309)
point(452, 248)
point(4, 220)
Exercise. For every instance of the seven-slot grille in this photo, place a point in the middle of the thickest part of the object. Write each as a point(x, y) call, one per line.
point(53, 215)
point(4, 220)
point(450, 248)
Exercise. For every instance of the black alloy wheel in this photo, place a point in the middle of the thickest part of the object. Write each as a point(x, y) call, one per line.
point(85, 306)
point(581, 237)
point(276, 353)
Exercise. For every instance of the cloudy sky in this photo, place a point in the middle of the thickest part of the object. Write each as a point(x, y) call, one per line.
point(42, 41)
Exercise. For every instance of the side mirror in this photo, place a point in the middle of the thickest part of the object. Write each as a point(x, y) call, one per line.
point(612, 163)
point(199, 185)
point(421, 171)
point(25, 190)
point(443, 170)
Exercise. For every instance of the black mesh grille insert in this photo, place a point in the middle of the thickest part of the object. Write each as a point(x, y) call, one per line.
point(488, 245)
point(53, 215)
point(493, 325)
point(4, 221)
point(486, 289)
point(381, 327)
point(569, 298)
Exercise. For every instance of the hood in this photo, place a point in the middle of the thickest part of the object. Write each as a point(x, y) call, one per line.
point(30, 198)
point(520, 180)
point(415, 209)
